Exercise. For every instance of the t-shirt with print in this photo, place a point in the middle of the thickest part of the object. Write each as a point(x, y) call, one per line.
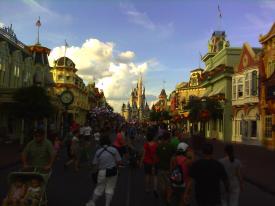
point(106, 157)
point(207, 174)
point(39, 154)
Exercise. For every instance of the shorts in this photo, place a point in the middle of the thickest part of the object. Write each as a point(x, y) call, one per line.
point(150, 169)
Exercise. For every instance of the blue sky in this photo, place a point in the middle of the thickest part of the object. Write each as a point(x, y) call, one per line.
point(167, 35)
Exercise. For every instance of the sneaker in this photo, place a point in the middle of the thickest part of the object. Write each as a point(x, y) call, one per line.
point(90, 203)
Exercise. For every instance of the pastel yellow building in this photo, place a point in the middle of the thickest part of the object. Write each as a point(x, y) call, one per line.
point(65, 78)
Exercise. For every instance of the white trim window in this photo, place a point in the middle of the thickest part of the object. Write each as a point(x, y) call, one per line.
point(247, 85)
point(16, 71)
point(240, 87)
point(254, 83)
point(270, 68)
point(234, 89)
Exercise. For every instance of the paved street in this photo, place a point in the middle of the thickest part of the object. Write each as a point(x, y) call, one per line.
point(74, 189)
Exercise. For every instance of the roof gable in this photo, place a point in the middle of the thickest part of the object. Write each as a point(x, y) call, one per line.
point(247, 57)
point(270, 34)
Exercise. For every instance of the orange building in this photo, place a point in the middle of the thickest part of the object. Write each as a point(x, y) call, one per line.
point(267, 88)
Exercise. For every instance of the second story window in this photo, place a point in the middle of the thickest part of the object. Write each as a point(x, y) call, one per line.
point(247, 84)
point(240, 87)
point(60, 77)
point(16, 71)
point(234, 89)
point(254, 84)
point(270, 68)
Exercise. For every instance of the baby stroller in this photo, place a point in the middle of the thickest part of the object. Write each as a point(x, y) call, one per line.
point(27, 176)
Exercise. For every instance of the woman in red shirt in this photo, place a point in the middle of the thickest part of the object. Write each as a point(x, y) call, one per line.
point(149, 159)
point(120, 143)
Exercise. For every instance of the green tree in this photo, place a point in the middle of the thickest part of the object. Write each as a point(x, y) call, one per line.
point(32, 103)
point(198, 107)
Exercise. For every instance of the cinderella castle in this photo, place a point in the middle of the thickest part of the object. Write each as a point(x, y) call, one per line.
point(137, 108)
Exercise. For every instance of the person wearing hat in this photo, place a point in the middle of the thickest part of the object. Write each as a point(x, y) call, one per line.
point(39, 152)
point(181, 161)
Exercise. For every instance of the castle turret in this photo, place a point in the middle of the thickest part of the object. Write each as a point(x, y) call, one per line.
point(139, 93)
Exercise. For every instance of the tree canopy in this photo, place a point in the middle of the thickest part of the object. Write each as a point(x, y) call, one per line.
point(203, 109)
point(32, 103)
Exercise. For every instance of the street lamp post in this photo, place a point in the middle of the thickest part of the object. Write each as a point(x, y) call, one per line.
point(66, 98)
point(203, 100)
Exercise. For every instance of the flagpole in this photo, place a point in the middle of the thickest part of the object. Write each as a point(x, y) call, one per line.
point(220, 17)
point(38, 24)
point(65, 48)
point(38, 35)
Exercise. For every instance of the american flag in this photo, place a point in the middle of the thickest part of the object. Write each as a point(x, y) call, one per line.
point(38, 23)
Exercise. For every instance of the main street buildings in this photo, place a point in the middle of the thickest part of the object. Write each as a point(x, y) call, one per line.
point(243, 81)
point(25, 66)
point(245, 97)
point(267, 88)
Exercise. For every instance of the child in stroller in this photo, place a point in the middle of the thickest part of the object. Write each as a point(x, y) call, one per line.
point(26, 189)
point(33, 194)
point(16, 193)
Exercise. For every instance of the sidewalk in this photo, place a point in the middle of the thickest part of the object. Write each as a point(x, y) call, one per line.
point(258, 164)
point(9, 154)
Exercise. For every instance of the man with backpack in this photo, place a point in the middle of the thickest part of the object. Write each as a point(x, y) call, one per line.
point(179, 176)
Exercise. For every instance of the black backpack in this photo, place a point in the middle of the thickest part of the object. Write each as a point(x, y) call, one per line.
point(177, 177)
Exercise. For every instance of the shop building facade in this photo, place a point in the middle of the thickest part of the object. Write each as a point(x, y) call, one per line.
point(245, 97)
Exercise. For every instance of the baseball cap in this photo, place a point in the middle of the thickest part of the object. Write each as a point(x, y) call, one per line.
point(182, 146)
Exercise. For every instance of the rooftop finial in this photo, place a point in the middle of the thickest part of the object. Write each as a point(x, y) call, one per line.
point(38, 24)
point(65, 49)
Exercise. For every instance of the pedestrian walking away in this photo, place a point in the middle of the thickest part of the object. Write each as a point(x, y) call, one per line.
point(233, 169)
point(149, 160)
point(105, 162)
point(179, 177)
point(206, 175)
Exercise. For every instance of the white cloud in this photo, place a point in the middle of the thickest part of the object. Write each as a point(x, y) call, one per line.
point(126, 56)
point(96, 60)
point(2, 24)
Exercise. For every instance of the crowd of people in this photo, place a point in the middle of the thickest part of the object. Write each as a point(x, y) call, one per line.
point(176, 170)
